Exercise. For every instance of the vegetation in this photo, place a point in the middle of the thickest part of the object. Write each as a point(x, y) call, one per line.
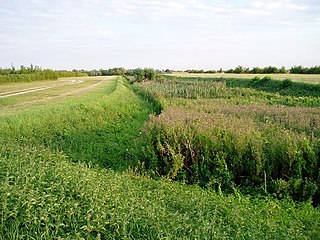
point(255, 70)
point(266, 90)
point(228, 137)
point(266, 70)
point(305, 70)
point(139, 74)
point(118, 71)
point(75, 169)
point(34, 73)
point(200, 71)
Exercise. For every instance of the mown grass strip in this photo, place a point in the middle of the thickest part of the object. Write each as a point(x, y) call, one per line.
point(97, 128)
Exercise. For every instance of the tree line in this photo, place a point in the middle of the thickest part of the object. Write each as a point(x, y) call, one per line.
point(34, 73)
point(265, 70)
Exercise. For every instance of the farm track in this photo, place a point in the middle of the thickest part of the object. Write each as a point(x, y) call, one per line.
point(15, 97)
point(65, 94)
point(36, 89)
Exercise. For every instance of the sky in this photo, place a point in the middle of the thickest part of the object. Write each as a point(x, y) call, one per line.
point(162, 34)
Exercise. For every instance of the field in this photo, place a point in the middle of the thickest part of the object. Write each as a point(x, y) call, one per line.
point(231, 133)
point(84, 159)
point(309, 78)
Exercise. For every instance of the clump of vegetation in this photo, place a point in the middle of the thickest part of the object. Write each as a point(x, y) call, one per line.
point(139, 74)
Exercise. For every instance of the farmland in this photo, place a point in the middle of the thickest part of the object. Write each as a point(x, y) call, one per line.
point(309, 78)
point(84, 160)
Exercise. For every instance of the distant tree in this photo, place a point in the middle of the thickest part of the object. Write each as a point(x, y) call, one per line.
point(149, 73)
point(210, 71)
point(229, 71)
point(283, 70)
point(270, 69)
point(256, 70)
point(239, 69)
point(298, 70)
point(138, 74)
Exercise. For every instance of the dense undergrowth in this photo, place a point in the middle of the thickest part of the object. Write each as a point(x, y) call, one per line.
point(61, 177)
point(229, 138)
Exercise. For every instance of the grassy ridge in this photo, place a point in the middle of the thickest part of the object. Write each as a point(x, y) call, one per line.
point(92, 129)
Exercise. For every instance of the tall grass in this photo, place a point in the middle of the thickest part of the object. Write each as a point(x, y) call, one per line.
point(218, 88)
point(246, 145)
point(285, 87)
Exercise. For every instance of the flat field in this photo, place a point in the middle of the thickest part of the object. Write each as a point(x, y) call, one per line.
point(309, 78)
point(83, 159)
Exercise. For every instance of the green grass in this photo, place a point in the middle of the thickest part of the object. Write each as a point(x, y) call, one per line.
point(55, 91)
point(306, 78)
point(218, 135)
point(93, 128)
point(266, 86)
point(45, 196)
point(67, 171)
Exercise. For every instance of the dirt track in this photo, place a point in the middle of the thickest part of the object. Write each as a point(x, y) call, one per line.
point(36, 89)
point(14, 97)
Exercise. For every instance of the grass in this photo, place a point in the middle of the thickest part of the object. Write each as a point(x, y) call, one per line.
point(218, 135)
point(55, 91)
point(92, 128)
point(264, 91)
point(306, 78)
point(68, 171)
point(45, 196)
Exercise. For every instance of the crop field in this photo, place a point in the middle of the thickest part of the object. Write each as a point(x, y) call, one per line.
point(173, 158)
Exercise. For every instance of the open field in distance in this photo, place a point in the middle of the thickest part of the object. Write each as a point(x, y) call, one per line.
point(307, 78)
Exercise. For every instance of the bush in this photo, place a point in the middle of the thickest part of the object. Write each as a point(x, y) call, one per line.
point(286, 83)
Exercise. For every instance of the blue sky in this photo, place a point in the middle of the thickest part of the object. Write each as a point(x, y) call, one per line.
point(177, 34)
